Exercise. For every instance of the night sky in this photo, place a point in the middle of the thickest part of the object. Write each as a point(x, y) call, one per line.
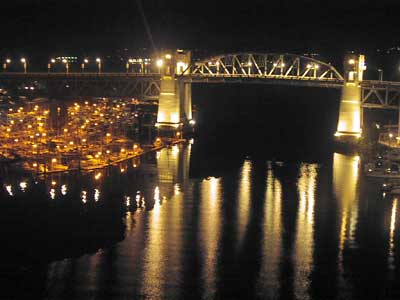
point(47, 26)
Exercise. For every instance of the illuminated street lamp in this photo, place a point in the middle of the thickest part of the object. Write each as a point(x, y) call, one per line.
point(316, 67)
point(24, 62)
point(53, 161)
point(130, 61)
point(159, 64)
point(64, 61)
point(146, 63)
point(249, 64)
point(6, 62)
point(85, 61)
point(52, 61)
point(380, 71)
point(390, 138)
point(141, 65)
point(98, 60)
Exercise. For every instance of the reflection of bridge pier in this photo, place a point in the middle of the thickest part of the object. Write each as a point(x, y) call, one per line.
point(173, 168)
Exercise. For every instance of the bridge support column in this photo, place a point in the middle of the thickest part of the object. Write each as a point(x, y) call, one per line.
point(349, 122)
point(185, 90)
point(175, 102)
point(169, 108)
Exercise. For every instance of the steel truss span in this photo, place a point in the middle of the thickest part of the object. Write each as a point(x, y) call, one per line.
point(85, 85)
point(278, 67)
point(380, 94)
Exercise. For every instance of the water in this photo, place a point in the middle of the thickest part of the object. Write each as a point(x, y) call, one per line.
point(161, 228)
point(218, 219)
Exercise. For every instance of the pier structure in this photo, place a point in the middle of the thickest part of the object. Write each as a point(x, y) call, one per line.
point(350, 112)
point(175, 100)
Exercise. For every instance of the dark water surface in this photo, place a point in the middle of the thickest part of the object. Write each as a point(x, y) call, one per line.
point(258, 207)
point(259, 230)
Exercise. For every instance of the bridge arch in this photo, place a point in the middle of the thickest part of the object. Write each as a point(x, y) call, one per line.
point(264, 65)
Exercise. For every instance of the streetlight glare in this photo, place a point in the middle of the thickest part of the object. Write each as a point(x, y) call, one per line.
point(8, 60)
point(160, 63)
point(98, 60)
point(85, 60)
point(53, 60)
point(23, 60)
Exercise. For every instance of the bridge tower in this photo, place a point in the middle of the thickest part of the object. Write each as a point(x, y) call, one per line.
point(175, 102)
point(349, 122)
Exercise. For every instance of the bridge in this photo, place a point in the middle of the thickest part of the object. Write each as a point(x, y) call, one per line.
point(170, 83)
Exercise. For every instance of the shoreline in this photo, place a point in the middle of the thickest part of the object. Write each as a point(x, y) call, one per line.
point(113, 163)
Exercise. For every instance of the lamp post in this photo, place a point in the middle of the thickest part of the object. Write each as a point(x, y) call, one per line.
point(380, 71)
point(130, 61)
point(66, 65)
point(85, 61)
point(6, 62)
point(159, 64)
point(53, 161)
point(316, 67)
point(98, 60)
point(141, 65)
point(24, 62)
point(52, 61)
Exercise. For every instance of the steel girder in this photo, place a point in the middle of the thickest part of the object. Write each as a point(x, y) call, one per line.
point(87, 85)
point(380, 94)
point(265, 66)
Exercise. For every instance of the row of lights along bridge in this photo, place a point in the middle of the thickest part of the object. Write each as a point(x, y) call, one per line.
point(143, 63)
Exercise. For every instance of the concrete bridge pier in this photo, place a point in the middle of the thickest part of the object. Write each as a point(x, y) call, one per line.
point(349, 123)
point(185, 93)
point(175, 102)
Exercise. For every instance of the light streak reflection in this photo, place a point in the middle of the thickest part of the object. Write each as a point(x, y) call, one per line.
point(391, 258)
point(272, 242)
point(244, 200)
point(304, 244)
point(210, 231)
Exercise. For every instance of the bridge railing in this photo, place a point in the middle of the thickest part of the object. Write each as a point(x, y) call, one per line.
point(288, 77)
point(77, 74)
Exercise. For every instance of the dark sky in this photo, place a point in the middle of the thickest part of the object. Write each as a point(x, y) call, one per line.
point(48, 26)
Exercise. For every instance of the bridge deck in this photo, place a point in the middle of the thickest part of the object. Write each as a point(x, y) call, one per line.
point(42, 75)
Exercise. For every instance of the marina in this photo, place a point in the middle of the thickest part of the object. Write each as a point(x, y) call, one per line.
point(61, 136)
